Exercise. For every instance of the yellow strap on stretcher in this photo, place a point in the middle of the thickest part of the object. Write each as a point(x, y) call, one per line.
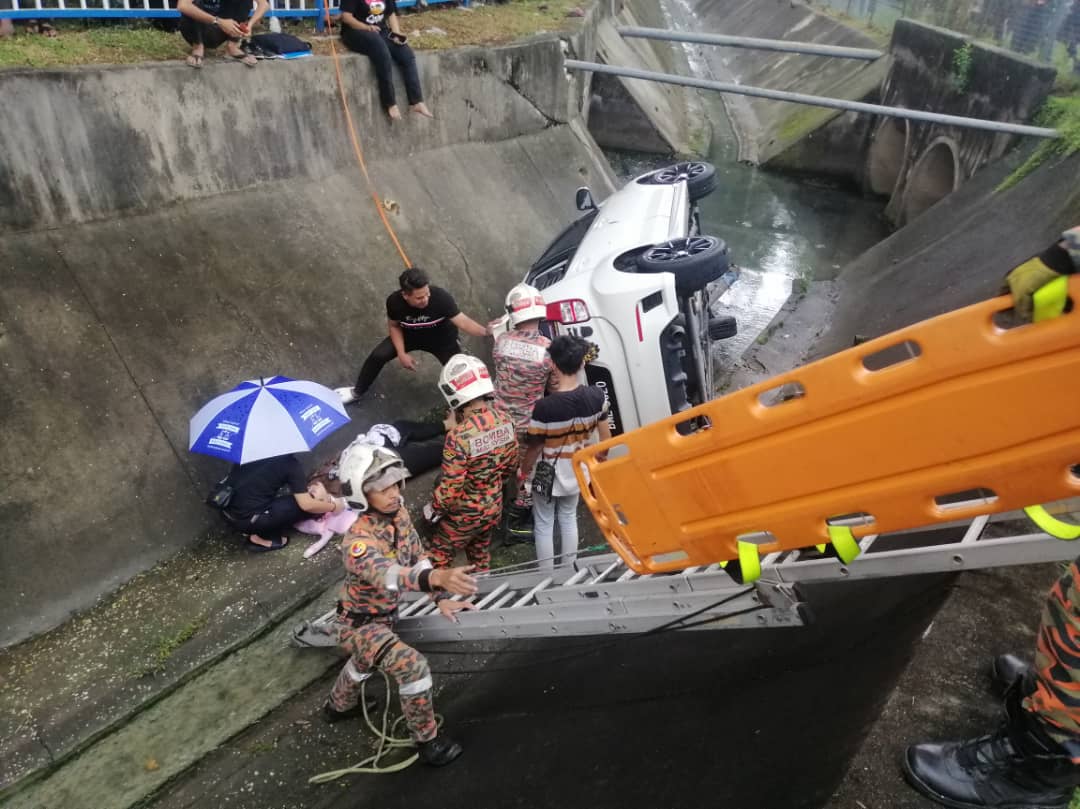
point(899, 430)
point(1051, 524)
point(1050, 299)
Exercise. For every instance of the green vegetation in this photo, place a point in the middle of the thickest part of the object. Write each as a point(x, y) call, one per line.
point(803, 121)
point(93, 46)
point(80, 44)
point(1075, 802)
point(167, 646)
point(961, 67)
point(1061, 113)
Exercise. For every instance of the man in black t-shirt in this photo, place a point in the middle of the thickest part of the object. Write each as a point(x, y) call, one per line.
point(260, 512)
point(419, 317)
point(371, 27)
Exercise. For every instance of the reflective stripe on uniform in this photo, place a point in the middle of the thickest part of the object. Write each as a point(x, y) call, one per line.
point(392, 577)
point(414, 688)
point(354, 673)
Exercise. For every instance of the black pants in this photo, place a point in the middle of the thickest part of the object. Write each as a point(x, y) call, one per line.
point(205, 34)
point(421, 445)
point(281, 513)
point(385, 351)
point(383, 53)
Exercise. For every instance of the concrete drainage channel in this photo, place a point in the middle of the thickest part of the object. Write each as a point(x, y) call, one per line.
point(766, 718)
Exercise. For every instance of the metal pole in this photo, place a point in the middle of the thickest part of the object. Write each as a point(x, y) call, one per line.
point(815, 101)
point(750, 42)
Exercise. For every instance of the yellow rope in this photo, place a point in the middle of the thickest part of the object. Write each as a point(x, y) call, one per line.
point(387, 742)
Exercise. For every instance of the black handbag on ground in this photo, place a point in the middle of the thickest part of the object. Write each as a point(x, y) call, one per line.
point(222, 493)
point(543, 479)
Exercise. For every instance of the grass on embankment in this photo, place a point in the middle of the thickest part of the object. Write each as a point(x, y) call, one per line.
point(431, 29)
point(1063, 114)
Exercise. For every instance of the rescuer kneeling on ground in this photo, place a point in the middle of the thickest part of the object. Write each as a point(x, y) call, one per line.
point(1034, 757)
point(383, 556)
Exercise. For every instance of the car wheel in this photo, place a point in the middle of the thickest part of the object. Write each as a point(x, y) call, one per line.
point(723, 327)
point(696, 261)
point(700, 178)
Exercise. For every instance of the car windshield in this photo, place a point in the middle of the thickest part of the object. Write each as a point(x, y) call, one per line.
point(551, 266)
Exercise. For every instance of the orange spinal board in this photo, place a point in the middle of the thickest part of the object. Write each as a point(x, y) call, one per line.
point(944, 420)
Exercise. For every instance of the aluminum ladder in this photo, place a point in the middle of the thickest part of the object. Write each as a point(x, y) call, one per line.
point(604, 597)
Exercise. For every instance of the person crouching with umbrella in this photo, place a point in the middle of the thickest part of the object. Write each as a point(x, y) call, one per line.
point(260, 511)
point(383, 557)
point(258, 426)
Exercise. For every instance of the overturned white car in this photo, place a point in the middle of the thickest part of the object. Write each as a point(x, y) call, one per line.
point(635, 276)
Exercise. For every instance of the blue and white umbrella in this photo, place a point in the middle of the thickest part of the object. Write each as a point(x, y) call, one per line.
point(264, 418)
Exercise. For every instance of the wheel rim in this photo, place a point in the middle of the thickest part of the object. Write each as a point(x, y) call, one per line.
point(680, 171)
point(679, 249)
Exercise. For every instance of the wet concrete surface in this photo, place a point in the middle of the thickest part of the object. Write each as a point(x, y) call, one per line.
point(725, 718)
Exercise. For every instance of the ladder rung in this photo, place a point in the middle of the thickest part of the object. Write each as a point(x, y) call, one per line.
point(414, 606)
point(606, 572)
point(975, 530)
point(529, 595)
point(502, 601)
point(577, 578)
point(498, 591)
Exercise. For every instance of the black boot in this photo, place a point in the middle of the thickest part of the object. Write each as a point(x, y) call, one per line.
point(332, 715)
point(1019, 767)
point(519, 524)
point(439, 751)
point(1009, 671)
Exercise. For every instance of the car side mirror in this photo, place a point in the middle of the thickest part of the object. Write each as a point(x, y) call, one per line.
point(584, 199)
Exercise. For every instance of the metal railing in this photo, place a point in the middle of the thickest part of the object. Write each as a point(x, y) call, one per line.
point(145, 9)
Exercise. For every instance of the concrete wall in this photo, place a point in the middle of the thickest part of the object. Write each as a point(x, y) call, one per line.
point(956, 255)
point(765, 128)
point(927, 161)
point(638, 115)
point(169, 232)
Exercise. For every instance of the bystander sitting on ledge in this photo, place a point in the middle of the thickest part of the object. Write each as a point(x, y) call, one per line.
point(210, 23)
point(371, 27)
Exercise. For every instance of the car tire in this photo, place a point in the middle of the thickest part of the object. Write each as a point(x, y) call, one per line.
point(700, 178)
point(723, 327)
point(696, 261)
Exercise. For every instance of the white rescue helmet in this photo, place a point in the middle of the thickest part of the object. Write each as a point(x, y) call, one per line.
point(463, 379)
point(364, 467)
point(525, 303)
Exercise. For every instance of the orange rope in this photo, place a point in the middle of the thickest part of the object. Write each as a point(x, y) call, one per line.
point(356, 141)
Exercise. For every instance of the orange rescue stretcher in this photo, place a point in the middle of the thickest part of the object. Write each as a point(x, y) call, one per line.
point(947, 419)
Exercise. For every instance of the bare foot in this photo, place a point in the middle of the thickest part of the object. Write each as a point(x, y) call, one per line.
point(421, 109)
point(195, 58)
point(394, 113)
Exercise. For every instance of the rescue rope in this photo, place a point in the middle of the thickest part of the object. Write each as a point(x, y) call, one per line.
point(387, 742)
point(357, 150)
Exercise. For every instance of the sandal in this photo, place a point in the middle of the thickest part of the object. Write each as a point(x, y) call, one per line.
point(194, 60)
point(245, 59)
point(275, 545)
point(43, 28)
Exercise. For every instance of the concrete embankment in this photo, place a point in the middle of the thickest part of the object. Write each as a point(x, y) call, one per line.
point(766, 128)
point(168, 233)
